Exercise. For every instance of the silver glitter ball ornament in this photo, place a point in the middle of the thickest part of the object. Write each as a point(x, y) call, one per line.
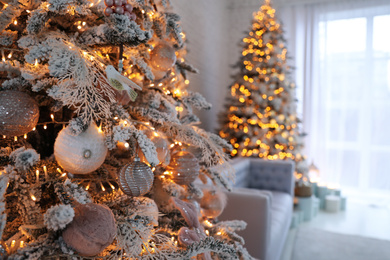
point(184, 167)
point(19, 113)
point(136, 178)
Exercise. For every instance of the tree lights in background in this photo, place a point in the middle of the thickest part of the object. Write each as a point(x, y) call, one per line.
point(261, 116)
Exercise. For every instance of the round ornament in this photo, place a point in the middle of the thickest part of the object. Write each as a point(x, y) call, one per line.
point(19, 113)
point(184, 167)
point(92, 229)
point(213, 203)
point(80, 154)
point(136, 178)
point(160, 142)
point(162, 57)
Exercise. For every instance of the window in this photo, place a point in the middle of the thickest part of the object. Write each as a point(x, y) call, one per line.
point(352, 101)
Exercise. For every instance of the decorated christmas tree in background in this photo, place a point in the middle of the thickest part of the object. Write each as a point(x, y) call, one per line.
point(100, 155)
point(260, 118)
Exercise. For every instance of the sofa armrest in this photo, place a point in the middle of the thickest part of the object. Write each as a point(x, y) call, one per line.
point(272, 175)
point(254, 207)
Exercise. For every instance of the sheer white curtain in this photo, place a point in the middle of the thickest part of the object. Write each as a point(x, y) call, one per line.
point(342, 59)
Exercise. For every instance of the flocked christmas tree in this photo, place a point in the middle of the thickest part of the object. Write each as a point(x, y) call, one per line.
point(260, 118)
point(100, 154)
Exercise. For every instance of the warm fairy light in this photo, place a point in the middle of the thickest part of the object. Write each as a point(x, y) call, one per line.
point(15, 138)
point(100, 129)
point(63, 175)
point(126, 145)
point(219, 233)
point(160, 84)
point(25, 136)
point(37, 174)
point(112, 186)
point(34, 128)
point(4, 136)
point(45, 127)
point(52, 116)
point(16, 22)
point(153, 169)
point(208, 223)
point(59, 170)
point(13, 243)
point(33, 197)
point(9, 56)
point(143, 11)
point(88, 185)
point(116, 118)
point(207, 232)
point(187, 82)
point(172, 145)
point(101, 185)
point(45, 171)
point(21, 244)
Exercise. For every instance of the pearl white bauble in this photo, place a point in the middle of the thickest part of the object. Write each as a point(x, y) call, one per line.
point(80, 154)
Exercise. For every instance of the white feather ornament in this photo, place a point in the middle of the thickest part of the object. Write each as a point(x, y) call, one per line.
point(80, 154)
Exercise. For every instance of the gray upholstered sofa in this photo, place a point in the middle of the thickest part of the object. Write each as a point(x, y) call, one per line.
point(263, 197)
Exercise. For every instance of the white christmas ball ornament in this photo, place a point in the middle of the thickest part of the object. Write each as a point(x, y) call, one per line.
point(80, 154)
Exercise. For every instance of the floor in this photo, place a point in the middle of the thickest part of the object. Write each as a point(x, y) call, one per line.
point(362, 217)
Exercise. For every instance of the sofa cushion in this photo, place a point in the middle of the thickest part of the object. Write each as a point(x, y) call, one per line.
point(271, 175)
point(281, 212)
point(242, 166)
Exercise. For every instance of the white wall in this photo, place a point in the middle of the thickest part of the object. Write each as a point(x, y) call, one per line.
point(205, 23)
point(214, 29)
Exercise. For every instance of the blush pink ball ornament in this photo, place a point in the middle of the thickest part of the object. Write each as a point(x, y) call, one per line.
point(184, 167)
point(19, 113)
point(81, 154)
point(213, 203)
point(93, 229)
point(162, 57)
